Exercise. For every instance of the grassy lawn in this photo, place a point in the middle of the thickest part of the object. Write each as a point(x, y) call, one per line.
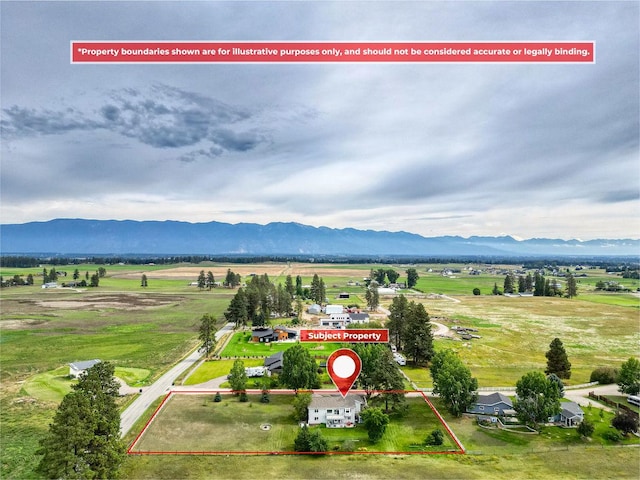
point(197, 423)
point(217, 368)
point(242, 346)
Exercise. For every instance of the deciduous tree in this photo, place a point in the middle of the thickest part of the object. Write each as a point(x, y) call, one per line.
point(375, 421)
point(538, 399)
point(238, 377)
point(412, 277)
point(629, 377)
point(452, 380)
point(299, 369)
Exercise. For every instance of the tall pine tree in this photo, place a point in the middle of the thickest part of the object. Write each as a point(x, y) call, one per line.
point(557, 360)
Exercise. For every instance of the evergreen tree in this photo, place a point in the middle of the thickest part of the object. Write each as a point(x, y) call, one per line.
point(418, 337)
point(210, 281)
point(528, 283)
point(76, 274)
point(288, 286)
point(572, 286)
point(143, 281)
point(372, 296)
point(509, 283)
point(397, 319)
point(299, 290)
point(522, 284)
point(202, 280)
point(207, 334)
point(84, 439)
point(557, 360)
point(237, 310)
point(315, 291)
point(538, 287)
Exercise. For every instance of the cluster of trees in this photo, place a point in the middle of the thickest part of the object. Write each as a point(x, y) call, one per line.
point(410, 328)
point(372, 296)
point(257, 301)
point(380, 374)
point(83, 440)
point(299, 369)
point(378, 275)
point(538, 284)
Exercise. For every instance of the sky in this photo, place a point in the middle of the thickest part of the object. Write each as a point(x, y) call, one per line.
point(528, 150)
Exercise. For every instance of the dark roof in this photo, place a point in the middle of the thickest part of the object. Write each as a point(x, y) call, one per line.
point(274, 362)
point(263, 332)
point(359, 316)
point(493, 399)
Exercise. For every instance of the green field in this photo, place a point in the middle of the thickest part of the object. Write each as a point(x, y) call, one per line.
point(41, 331)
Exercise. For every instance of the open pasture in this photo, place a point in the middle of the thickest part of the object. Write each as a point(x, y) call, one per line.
point(150, 328)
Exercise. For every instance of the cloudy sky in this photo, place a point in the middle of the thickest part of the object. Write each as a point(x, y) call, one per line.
point(434, 149)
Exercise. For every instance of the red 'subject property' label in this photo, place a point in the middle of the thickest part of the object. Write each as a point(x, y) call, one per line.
point(331, 52)
point(355, 335)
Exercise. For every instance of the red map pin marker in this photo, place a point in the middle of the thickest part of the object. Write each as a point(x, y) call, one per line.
point(344, 366)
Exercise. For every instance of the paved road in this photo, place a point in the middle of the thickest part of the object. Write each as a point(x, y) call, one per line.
point(161, 386)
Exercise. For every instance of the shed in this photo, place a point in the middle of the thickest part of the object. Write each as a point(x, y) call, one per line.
point(329, 309)
point(314, 309)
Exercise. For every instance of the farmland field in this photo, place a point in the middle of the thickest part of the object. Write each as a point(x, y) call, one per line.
point(42, 330)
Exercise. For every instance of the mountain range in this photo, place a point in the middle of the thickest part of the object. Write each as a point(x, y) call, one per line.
point(122, 237)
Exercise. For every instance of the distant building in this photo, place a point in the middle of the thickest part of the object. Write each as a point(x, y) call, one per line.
point(329, 309)
point(78, 368)
point(314, 309)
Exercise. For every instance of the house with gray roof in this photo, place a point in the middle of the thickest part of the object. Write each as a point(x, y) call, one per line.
point(78, 368)
point(570, 415)
point(493, 404)
point(274, 362)
point(335, 411)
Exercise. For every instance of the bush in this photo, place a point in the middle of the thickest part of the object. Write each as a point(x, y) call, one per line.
point(626, 422)
point(604, 375)
point(476, 291)
point(612, 436)
point(586, 428)
point(264, 398)
point(436, 437)
point(217, 398)
point(244, 397)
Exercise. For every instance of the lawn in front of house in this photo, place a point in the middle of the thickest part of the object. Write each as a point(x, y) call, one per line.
point(196, 423)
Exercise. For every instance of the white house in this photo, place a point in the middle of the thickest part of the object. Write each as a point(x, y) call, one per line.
point(78, 368)
point(334, 411)
point(50, 285)
point(336, 320)
point(359, 318)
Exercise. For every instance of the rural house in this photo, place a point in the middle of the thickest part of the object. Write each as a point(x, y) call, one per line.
point(334, 411)
point(335, 320)
point(570, 415)
point(78, 368)
point(359, 318)
point(493, 404)
point(274, 362)
point(277, 334)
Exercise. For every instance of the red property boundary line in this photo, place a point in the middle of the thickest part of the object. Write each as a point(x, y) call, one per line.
point(131, 451)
